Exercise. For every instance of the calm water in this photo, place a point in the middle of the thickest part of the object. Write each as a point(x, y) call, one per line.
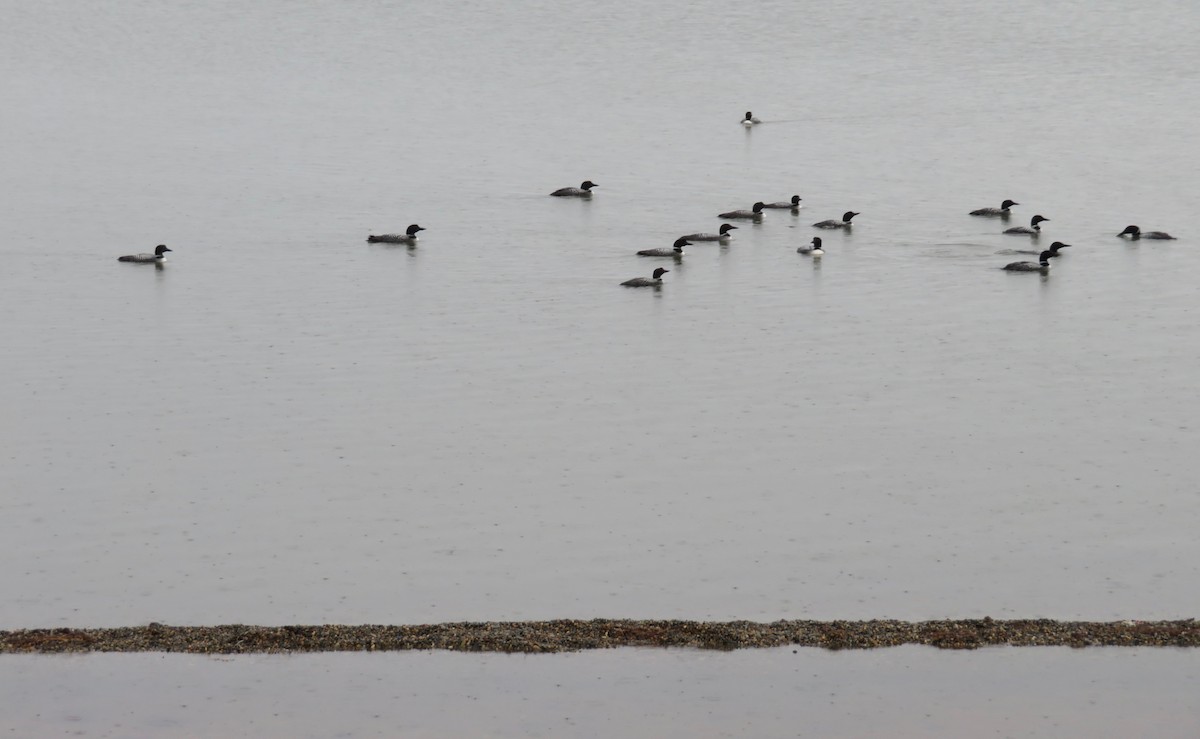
point(288, 425)
point(902, 693)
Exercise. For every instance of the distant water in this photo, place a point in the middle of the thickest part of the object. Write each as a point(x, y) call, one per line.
point(287, 424)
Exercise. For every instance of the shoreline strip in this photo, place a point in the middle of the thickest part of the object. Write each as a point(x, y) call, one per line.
point(576, 635)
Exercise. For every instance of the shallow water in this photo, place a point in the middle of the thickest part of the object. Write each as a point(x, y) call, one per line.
point(289, 425)
point(903, 692)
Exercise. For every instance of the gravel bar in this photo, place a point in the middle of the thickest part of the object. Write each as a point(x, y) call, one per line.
point(573, 635)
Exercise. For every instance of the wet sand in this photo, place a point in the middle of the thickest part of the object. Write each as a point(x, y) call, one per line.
point(577, 635)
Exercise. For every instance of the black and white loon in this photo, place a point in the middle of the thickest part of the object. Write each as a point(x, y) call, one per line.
point(793, 204)
point(583, 191)
point(1052, 250)
point(160, 253)
point(814, 249)
point(1042, 265)
point(654, 281)
point(1001, 212)
point(724, 236)
point(844, 223)
point(408, 237)
point(755, 212)
point(675, 251)
point(1033, 229)
point(1133, 233)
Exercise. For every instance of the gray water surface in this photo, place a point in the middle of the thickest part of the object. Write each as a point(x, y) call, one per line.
point(903, 692)
point(286, 424)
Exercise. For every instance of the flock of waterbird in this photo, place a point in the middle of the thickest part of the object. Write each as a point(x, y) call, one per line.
point(815, 249)
point(846, 223)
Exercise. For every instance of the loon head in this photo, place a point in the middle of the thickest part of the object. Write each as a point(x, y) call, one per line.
point(1056, 246)
point(816, 242)
point(160, 250)
point(758, 207)
point(413, 229)
point(1133, 231)
point(588, 185)
point(749, 117)
point(1036, 220)
point(680, 243)
point(848, 215)
point(1008, 204)
point(726, 228)
point(658, 273)
point(795, 200)
point(1044, 258)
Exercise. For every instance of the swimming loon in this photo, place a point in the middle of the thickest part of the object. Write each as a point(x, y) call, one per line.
point(1001, 212)
point(647, 281)
point(675, 251)
point(408, 237)
point(723, 237)
point(814, 249)
point(755, 213)
point(749, 120)
point(1043, 264)
point(793, 204)
point(844, 223)
point(1135, 234)
point(1052, 250)
point(158, 255)
point(583, 191)
point(1033, 229)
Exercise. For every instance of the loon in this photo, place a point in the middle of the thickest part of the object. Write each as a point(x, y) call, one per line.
point(583, 191)
point(844, 223)
point(1135, 234)
point(793, 204)
point(1052, 250)
point(1043, 264)
point(675, 251)
point(749, 120)
point(723, 237)
point(160, 253)
point(754, 213)
point(408, 237)
point(1001, 212)
point(647, 281)
point(813, 250)
point(1033, 229)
